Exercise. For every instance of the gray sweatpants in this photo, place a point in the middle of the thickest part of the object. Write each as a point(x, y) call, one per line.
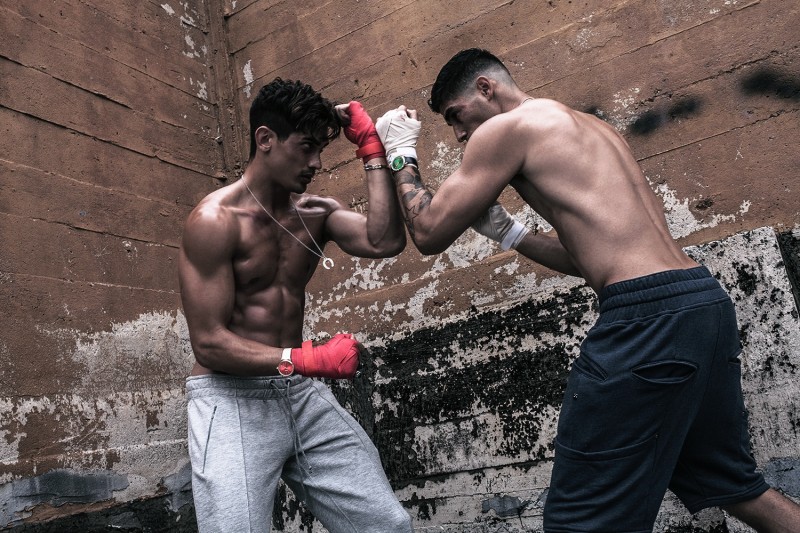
point(246, 433)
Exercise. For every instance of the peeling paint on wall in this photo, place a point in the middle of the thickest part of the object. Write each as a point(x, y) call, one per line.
point(680, 218)
point(247, 71)
point(114, 421)
point(464, 409)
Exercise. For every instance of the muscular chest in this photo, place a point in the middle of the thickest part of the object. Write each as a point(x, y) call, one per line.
point(269, 255)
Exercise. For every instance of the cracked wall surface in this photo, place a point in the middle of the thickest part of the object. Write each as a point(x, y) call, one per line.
point(118, 118)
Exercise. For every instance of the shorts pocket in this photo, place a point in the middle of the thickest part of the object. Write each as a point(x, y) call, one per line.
point(665, 372)
point(589, 368)
point(606, 455)
point(609, 490)
point(201, 423)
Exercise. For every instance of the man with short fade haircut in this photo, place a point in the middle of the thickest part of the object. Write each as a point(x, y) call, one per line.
point(654, 401)
point(248, 251)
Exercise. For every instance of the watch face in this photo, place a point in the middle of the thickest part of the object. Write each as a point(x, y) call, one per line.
point(286, 368)
point(398, 162)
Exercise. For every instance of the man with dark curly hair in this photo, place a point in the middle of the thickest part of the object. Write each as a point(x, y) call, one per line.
point(654, 401)
point(248, 251)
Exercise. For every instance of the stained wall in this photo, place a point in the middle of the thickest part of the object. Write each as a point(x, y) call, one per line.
point(469, 349)
point(109, 120)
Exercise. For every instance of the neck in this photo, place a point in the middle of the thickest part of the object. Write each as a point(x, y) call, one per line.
point(271, 196)
point(513, 100)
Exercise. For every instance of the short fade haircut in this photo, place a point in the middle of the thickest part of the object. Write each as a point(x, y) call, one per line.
point(459, 73)
point(286, 107)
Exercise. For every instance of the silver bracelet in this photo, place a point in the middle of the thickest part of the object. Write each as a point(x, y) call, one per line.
point(377, 166)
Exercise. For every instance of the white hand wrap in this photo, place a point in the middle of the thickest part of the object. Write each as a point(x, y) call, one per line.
point(398, 133)
point(499, 226)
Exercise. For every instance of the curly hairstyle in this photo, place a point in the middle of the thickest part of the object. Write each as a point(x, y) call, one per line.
point(459, 73)
point(286, 107)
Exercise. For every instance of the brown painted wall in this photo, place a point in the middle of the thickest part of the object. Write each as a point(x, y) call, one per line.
point(470, 348)
point(118, 117)
point(706, 93)
point(109, 119)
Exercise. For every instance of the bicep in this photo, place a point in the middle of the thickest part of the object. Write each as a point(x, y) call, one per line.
point(348, 229)
point(489, 164)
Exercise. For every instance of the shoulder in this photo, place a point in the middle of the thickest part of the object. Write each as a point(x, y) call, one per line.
point(544, 115)
point(211, 225)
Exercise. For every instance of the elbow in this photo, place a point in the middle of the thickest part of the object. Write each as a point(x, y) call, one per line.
point(204, 351)
point(390, 247)
point(430, 248)
point(429, 244)
point(396, 246)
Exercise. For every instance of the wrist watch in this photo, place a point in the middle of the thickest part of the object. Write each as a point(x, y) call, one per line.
point(286, 367)
point(399, 161)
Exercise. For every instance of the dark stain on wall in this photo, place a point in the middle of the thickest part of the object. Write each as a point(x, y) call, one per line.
point(139, 516)
point(504, 506)
point(514, 383)
point(291, 507)
point(651, 120)
point(59, 487)
point(784, 473)
point(179, 487)
point(771, 82)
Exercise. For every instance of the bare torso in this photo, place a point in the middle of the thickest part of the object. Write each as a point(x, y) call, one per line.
point(580, 175)
point(269, 267)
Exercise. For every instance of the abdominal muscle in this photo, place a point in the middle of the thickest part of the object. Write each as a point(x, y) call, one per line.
point(271, 316)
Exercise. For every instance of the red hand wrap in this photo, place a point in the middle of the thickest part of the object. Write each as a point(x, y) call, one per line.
point(361, 132)
point(337, 358)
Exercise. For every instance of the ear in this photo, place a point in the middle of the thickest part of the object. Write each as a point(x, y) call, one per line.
point(265, 138)
point(485, 87)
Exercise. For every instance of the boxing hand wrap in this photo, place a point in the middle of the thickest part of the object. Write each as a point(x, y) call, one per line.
point(361, 132)
point(499, 226)
point(399, 133)
point(337, 358)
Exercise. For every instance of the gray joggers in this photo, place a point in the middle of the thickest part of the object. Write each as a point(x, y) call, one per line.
point(246, 433)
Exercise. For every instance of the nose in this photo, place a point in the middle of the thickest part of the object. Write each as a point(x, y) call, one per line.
point(315, 162)
point(460, 133)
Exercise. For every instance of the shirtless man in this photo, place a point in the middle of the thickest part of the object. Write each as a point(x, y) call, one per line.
point(249, 249)
point(654, 401)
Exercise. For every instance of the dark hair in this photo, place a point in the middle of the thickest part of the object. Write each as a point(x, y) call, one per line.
point(459, 73)
point(287, 106)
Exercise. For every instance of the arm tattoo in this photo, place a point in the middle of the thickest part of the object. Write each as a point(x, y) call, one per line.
point(415, 198)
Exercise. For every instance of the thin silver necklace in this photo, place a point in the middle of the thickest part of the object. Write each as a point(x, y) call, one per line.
point(327, 262)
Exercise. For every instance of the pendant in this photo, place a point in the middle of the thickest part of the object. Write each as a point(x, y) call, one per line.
point(327, 263)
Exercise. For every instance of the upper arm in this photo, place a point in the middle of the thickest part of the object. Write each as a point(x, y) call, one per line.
point(205, 271)
point(492, 157)
point(351, 232)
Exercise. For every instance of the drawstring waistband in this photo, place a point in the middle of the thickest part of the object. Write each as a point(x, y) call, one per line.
point(263, 388)
point(656, 293)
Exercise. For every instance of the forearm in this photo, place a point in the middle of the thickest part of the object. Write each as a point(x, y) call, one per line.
point(226, 352)
point(415, 202)
point(385, 230)
point(547, 251)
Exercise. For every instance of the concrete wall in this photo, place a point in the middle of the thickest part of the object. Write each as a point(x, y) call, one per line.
point(469, 349)
point(109, 119)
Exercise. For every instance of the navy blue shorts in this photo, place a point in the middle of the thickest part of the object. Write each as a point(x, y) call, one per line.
point(654, 401)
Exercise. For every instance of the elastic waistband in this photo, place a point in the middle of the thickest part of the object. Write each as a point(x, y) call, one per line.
point(687, 287)
point(248, 387)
